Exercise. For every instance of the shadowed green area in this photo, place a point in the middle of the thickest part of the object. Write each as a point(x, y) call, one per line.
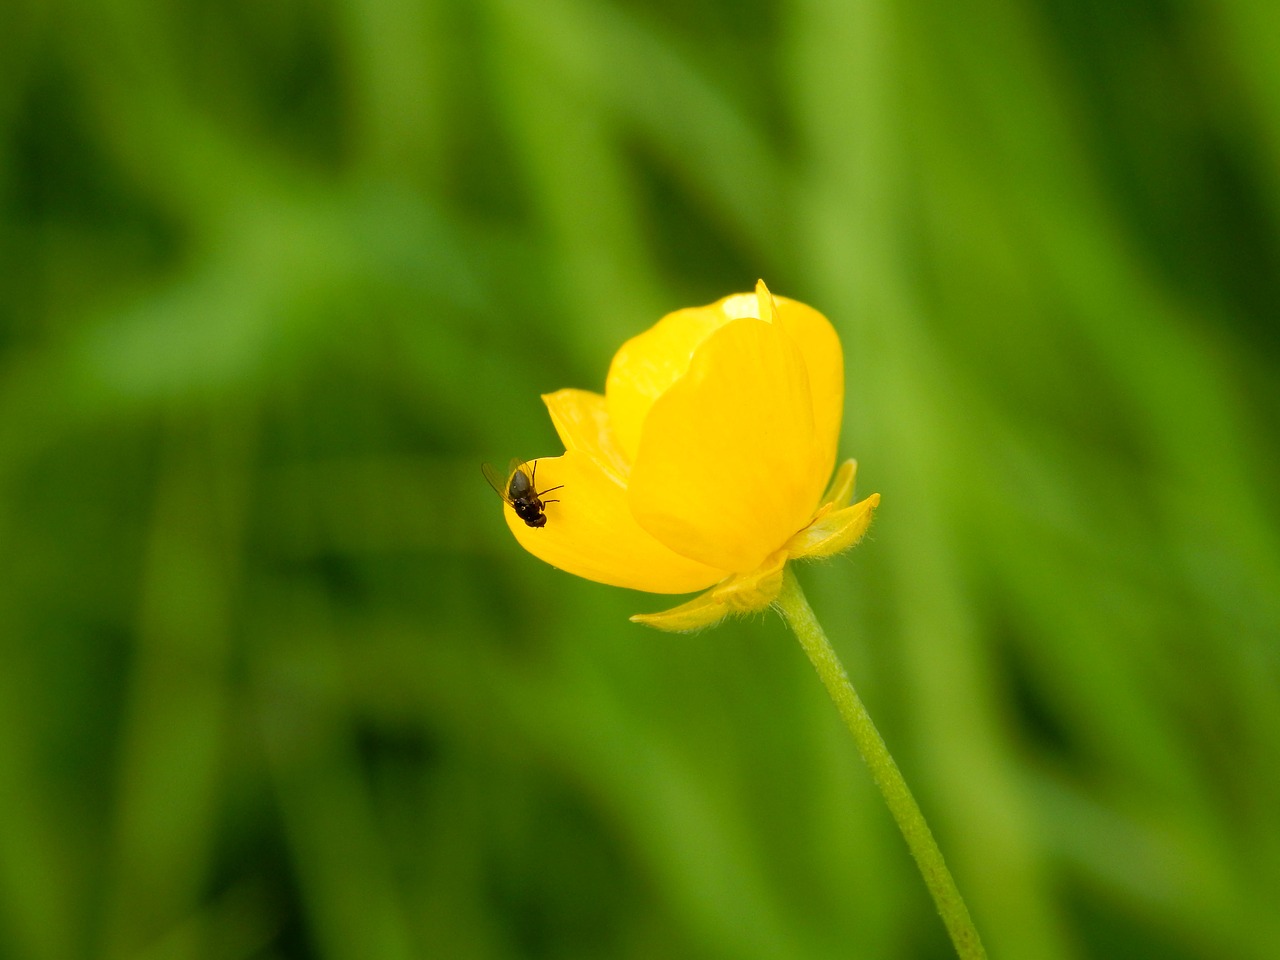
point(276, 682)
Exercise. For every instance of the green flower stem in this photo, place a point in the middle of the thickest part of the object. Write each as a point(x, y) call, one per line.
point(796, 611)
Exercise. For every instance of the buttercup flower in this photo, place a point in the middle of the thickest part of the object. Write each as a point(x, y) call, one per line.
point(702, 468)
point(704, 462)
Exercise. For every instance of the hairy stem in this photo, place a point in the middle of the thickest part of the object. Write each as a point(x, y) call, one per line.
point(799, 616)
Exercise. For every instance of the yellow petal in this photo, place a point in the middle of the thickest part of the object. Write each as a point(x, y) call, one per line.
point(738, 306)
point(824, 361)
point(764, 302)
point(582, 421)
point(725, 472)
point(702, 611)
point(646, 365)
point(649, 363)
point(834, 532)
point(820, 347)
point(591, 533)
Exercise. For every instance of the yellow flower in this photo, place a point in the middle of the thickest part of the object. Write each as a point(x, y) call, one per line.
point(703, 464)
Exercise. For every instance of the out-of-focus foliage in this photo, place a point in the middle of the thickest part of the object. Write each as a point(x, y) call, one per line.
point(276, 277)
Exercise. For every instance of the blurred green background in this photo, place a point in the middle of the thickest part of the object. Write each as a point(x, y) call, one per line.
point(277, 682)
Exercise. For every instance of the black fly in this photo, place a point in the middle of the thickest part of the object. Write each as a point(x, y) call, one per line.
point(519, 489)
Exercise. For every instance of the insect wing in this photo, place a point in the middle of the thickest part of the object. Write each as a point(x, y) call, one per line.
point(496, 480)
point(522, 488)
point(502, 483)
